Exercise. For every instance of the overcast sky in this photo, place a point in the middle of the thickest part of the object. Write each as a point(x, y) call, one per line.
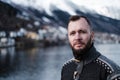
point(108, 8)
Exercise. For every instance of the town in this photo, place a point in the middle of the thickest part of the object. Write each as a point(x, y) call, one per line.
point(47, 36)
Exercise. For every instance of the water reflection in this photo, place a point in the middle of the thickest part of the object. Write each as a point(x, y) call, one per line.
point(41, 63)
point(7, 59)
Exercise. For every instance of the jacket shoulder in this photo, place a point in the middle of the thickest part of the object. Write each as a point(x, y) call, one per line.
point(69, 62)
point(112, 68)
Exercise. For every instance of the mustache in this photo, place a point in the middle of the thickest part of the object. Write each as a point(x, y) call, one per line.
point(78, 42)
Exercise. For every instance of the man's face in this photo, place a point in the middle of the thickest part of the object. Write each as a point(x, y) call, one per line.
point(79, 34)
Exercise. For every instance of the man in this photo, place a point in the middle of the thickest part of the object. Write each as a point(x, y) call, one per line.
point(88, 64)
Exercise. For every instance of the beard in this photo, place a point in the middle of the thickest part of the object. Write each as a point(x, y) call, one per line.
point(79, 53)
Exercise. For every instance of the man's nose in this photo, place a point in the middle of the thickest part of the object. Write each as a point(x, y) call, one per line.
point(77, 36)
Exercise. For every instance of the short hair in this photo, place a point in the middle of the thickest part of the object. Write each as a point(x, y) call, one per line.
point(77, 17)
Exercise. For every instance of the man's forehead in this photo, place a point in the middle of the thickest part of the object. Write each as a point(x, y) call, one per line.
point(79, 22)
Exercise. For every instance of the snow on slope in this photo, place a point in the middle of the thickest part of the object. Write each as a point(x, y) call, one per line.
point(45, 5)
point(107, 8)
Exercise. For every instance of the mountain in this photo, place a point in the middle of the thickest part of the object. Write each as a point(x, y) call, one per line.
point(8, 20)
point(57, 15)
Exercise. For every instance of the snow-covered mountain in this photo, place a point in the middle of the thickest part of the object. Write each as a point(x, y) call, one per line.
point(107, 8)
point(57, 12)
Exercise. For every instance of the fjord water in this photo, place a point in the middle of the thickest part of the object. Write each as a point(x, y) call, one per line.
point(43, 63)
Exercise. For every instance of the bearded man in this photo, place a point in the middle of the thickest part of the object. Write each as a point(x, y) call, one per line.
point(88, 63)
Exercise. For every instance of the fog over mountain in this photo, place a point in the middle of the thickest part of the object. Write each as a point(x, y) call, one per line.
point(104, 14)
point(108, 8)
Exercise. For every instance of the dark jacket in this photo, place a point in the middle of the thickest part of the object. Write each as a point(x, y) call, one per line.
point(93, 66)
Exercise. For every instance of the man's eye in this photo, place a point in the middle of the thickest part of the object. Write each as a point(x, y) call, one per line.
point(72, 33)
point(81, 31)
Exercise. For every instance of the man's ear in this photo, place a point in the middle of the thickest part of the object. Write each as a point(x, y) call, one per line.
point(92, 36)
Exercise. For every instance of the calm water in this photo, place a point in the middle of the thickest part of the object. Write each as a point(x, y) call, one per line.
point(43, 63)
